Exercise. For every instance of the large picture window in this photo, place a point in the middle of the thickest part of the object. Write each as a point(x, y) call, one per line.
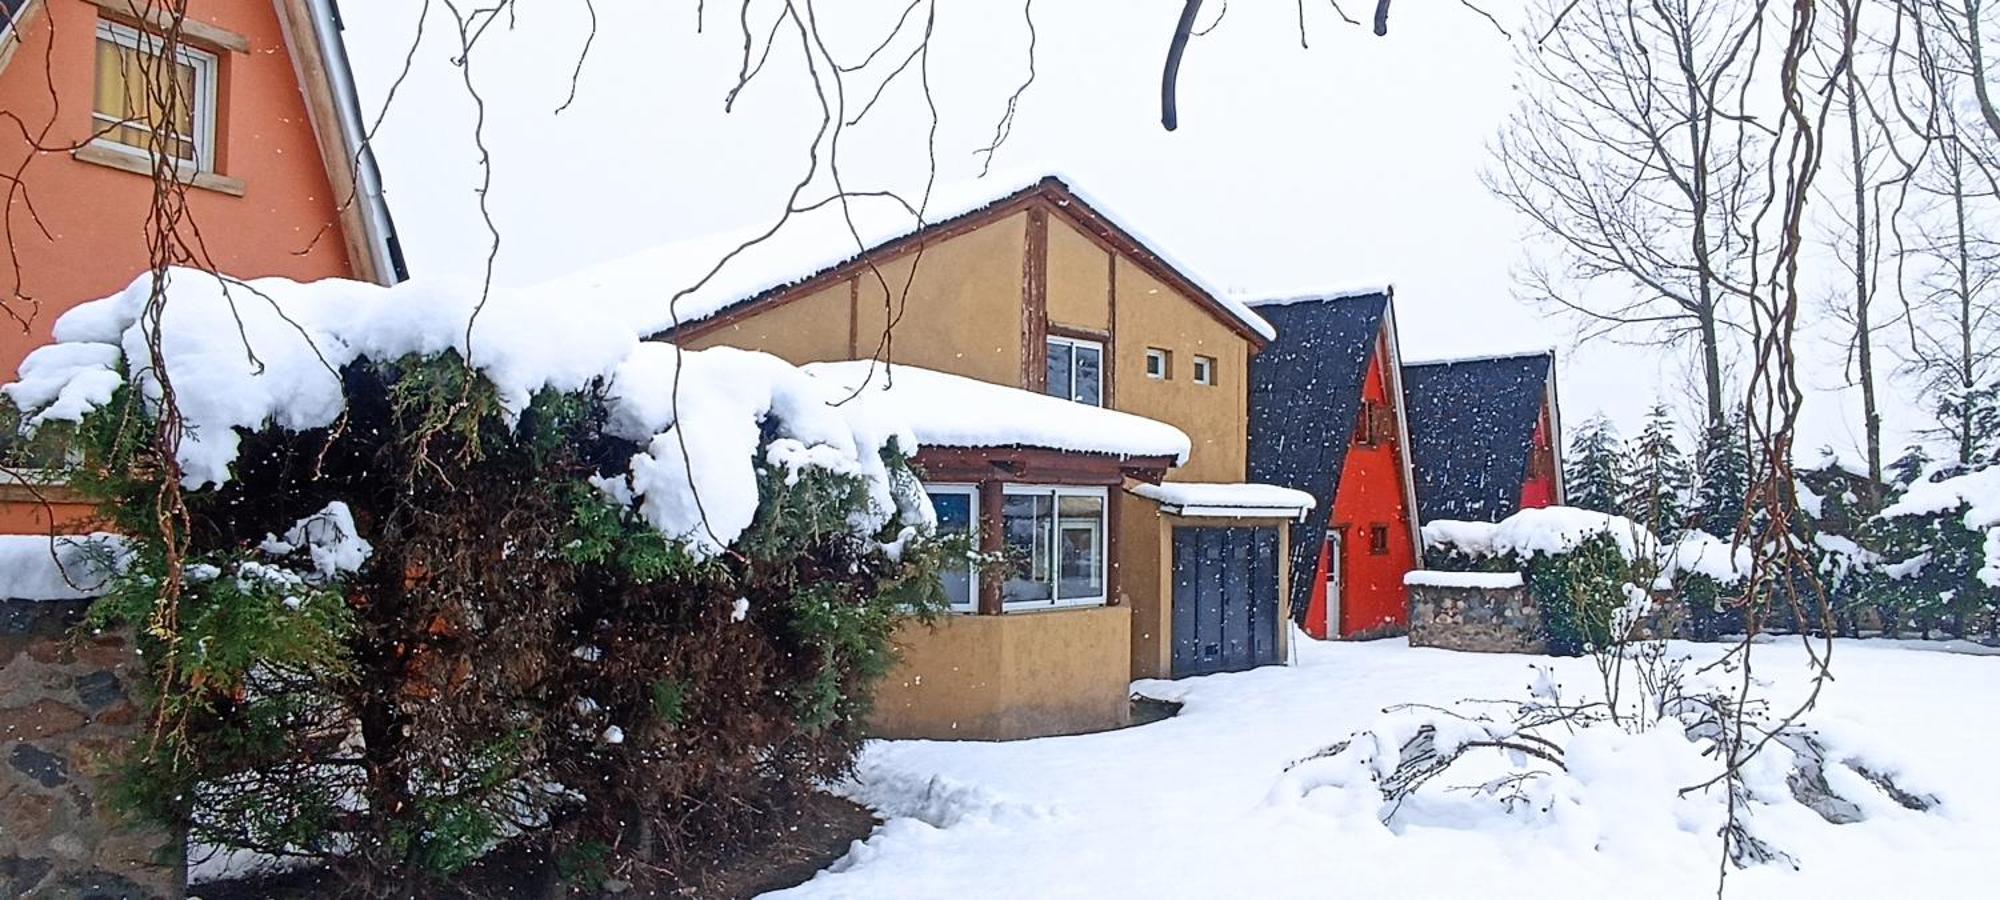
point(127, 113)
point(1055, 542)
point(1076, 370)
point(957, 507)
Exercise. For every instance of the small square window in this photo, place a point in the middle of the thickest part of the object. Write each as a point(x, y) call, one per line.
point(1378, 540)
point(127, 116)
point(1364, 427)
point(1159, 363)
point(1204, 370)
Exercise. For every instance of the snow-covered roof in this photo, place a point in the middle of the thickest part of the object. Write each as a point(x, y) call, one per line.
point(1227, 499)
point(815, 241)
point(945, 410)
point(63, 567)
point(1495, 356)
point(1287, 298)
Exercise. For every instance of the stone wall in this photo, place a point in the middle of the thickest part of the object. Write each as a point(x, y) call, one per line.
point(65, 714)
point(1477, 619)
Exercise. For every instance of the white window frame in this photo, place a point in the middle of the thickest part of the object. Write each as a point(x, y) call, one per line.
point(971, 491)
point(1204, 370)
point(1073, 344)
point(1056, 493)
point(1165, 358)
point(207, 67)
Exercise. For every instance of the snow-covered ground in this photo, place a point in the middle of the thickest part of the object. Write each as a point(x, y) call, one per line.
point(1186, 807)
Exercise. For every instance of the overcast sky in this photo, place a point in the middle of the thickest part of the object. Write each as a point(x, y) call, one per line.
point(1353, 162)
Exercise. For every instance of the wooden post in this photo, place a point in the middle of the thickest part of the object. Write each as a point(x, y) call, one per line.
point(992, 500)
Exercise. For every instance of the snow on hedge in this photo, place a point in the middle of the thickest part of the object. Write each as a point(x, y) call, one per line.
point(945, 410)
point(60, 567)
point(267, 353)
point(1978, 491)
point(1700, 553)
point(1552, 530)
point(1214, 499)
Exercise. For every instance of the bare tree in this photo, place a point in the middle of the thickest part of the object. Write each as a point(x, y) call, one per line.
point(1955, 311)
point(1636, 154)
point(1870, 170)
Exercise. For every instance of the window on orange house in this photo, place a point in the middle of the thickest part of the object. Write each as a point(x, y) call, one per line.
point(1378, 540)
point(140, 109)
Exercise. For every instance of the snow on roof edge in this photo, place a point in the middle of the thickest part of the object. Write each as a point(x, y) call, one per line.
point(1287, 298)
point(1481, 357)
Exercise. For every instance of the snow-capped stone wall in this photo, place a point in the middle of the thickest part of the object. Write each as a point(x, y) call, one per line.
point(1483, 613)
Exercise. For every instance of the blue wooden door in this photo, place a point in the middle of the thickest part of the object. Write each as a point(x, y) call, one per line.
point(1225, 599)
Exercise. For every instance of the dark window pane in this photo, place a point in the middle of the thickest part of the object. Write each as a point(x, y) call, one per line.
point(1059, 369)
point(1089, 376)
point(954, 516)
point(1026, 521)
point(1081, 548)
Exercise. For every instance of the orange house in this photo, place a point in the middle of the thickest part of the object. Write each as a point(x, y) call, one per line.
point(268, 144)
point(1327, 418)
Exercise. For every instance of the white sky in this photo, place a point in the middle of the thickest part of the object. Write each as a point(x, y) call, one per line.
point(1353, 162)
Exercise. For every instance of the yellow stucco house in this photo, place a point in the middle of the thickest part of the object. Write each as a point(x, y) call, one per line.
point(1130, 560)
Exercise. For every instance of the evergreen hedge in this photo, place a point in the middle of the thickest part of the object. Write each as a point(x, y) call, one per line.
point(521, 663)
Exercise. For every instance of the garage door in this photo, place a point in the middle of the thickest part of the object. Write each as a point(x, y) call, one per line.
point(1225, 599)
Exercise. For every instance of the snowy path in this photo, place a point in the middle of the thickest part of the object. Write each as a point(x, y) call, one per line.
point(1180, 808)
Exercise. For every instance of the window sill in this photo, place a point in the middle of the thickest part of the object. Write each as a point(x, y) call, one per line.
point(125, 162)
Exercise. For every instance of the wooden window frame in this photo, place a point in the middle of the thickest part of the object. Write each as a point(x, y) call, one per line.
point(1056, 492)
point(207, 67)
point(1205, 371)
point(1378, 539)
point(1166, 359)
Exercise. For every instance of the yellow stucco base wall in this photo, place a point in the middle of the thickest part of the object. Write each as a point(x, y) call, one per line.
point(1006, 677)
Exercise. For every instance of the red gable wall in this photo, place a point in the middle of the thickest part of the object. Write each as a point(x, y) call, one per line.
point(1372, 494)
point(1540, 489)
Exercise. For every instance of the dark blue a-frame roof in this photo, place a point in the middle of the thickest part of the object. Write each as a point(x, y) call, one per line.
point(1305, 396)
point(1472, 425)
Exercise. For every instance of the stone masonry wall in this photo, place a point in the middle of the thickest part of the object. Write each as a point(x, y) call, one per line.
point(1477, 619)
point(65, 714)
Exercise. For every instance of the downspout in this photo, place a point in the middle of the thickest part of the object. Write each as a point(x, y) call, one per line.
point(383, 245)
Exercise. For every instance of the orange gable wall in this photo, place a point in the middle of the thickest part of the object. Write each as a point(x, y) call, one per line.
point(1371, 492)
point(96, 216)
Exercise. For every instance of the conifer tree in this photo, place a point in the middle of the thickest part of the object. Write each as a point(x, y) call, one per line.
point(1659, 478)
point(1724, 471)
point(1595, 475)
point(1909, 467)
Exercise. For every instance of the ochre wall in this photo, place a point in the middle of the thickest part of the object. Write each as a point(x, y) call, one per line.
point(812, 328)
point(1216, 417)
point(1011, 676)
point(961, 314)
point(97, 215)
point(1147, 556)
point(1145, 583)
point(1079, 295)
point(1371, 492)
point(963, 311)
